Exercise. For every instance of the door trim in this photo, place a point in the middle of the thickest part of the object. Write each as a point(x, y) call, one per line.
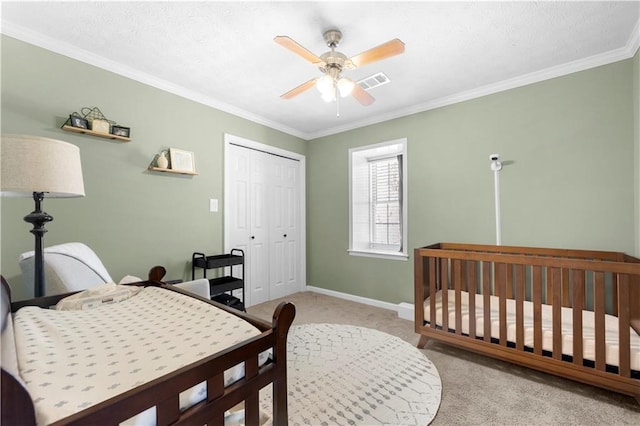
point(229, 140)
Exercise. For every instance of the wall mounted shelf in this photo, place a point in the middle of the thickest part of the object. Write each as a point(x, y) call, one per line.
point(92, 133)
point(158, 169)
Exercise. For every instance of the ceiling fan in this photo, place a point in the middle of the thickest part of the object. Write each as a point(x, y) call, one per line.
point(332, 63)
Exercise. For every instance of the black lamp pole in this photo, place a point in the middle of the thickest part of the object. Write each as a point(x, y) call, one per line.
point(38, 218)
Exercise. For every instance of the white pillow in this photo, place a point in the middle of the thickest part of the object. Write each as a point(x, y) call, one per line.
point(97, 296)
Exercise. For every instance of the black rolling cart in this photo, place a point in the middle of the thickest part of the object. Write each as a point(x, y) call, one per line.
point(221, 288)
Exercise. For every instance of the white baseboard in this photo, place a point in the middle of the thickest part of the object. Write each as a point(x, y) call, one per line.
point(404, 310)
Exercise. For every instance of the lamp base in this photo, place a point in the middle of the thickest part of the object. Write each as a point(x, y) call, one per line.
point(38, 218)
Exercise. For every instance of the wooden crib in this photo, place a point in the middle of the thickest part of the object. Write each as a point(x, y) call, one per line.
point(572, 313)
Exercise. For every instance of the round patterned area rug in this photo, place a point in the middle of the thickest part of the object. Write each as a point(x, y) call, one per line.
point(347, 375)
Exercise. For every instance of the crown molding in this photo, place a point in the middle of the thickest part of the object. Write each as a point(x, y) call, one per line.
point(73, 52)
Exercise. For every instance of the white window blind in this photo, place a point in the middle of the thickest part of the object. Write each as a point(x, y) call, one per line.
point(386, 213)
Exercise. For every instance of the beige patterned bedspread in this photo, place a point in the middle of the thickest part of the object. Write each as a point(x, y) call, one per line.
point(71, 360)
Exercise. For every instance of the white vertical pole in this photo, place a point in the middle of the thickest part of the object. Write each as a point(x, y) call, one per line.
point(496, 166)
point(496, 184)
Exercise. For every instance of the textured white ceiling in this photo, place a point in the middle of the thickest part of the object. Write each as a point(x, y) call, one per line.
point(223, 54)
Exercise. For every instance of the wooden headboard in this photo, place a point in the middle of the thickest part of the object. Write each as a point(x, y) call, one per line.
point(20, 411)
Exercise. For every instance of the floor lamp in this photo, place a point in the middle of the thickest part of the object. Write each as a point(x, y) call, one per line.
point(33, 166)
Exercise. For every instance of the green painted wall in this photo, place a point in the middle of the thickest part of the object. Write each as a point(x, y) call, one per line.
point(132, 218)
point(568, 179)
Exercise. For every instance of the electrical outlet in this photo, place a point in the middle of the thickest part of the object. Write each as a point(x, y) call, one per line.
point(213, 205)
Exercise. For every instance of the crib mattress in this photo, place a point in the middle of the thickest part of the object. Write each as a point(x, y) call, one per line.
point(71, 360)
point(588, 326)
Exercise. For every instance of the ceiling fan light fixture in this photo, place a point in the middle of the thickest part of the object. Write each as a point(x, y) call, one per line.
point(329, 96)
point(345, 86)
point(325, 85)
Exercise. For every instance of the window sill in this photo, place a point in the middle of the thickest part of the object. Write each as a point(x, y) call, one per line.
point(379, 254)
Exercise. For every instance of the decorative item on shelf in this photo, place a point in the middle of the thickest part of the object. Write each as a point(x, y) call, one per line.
point(99, 123)
point(121, 131)
point(100, 126)
point(162, 161)
point(75, 120)
point(93, 122)
point(174, 161)
point(182, 161)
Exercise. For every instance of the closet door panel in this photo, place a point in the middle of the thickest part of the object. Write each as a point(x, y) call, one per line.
point(284, 230)
point(259, 228)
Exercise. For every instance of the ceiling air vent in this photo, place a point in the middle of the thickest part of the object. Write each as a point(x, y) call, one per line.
point(374, 80)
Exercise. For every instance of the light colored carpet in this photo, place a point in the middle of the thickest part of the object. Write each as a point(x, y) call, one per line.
point(347, 375)
point(477, 389)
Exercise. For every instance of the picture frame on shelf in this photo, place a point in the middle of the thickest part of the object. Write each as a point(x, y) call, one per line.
point(125, 132)
point(182, 161)
point(79, 122)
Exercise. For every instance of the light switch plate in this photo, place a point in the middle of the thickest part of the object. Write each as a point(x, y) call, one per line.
point(213, 205)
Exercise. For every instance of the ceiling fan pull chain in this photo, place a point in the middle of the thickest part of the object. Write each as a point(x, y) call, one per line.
point(337, 105)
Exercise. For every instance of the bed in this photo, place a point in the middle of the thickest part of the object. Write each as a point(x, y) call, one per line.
point(572, 313)
point(197, 375)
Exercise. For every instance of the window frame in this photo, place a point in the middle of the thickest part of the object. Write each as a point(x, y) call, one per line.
point(358, 160)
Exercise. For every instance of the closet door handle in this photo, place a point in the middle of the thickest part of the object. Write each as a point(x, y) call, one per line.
point(285, 235)
point(253, 237)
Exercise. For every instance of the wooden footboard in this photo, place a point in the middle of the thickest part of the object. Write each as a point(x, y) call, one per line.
point(531, 292)
point(163, 393)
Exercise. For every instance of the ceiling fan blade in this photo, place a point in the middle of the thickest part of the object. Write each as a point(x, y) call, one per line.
point(303, 87)
point(293, 46)
point(386, 50)
point(362, 95)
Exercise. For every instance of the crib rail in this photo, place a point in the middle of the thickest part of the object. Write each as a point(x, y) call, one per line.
point(540, 279)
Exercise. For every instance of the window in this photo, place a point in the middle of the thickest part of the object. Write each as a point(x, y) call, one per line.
point(377, 199)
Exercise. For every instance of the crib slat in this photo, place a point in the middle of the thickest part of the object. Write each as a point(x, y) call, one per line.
point(549, 289)
point(215, 388)
point(536, 278)
point(486, 300)
point(519, 307)
point(501, 284)
point(509, 283)
point(623, 326)
point(463, 275)
point(433, 289)
point(577, 284)
point(614, 293)
point(444, 280)
point(168, 411)
point(599, 311)
point(252, 403)
point(566, 301)
point(457, 284)
point(473, 289)
point(557, 312)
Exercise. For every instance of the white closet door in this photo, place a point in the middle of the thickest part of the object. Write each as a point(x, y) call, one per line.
point(259, 261)
point(246, 222)
point(264, 197)
point(284, 230)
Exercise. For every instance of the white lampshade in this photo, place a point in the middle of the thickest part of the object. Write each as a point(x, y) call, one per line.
point(35, 164)
point(345, 86)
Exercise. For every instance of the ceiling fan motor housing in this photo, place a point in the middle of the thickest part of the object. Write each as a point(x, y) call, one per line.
point(333, 59)
point(332, 38)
